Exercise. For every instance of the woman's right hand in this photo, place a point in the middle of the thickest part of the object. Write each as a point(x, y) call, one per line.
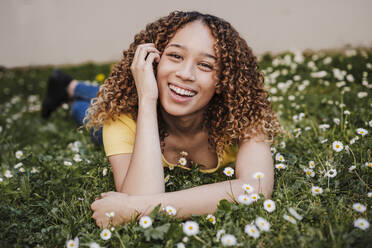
point(143, 73)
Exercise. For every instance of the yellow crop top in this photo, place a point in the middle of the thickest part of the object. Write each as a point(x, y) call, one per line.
point(119, 136)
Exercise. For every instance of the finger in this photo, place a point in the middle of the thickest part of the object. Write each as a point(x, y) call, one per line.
point(139, 47)
point(151, 58)
point(144, 53)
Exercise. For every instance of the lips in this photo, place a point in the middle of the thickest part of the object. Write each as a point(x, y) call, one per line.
point(184, 92)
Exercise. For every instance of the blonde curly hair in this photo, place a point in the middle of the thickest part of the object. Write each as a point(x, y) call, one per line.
point(240, 110)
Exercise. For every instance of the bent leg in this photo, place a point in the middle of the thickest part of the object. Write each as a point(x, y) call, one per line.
point(85, 91)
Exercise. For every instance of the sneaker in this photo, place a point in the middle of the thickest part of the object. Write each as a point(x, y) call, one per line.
point(56, 92)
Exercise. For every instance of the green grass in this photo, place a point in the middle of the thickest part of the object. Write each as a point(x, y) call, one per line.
point(51, 206)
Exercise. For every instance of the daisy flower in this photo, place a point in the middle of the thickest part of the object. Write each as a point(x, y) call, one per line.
point(311, 164)
point(211, 219)
point(185, 239)
point(347, 112)
point(19, 154)
point(180, 245)
point(368, 164)
point(280, 166)
point(315, 190)
point(279, 157)
point(145, 222)
point(262, 224)
point(252, 231)
point(269, 205)
point(351, 168)
point(289, 218)
point(361, 223)
point(34, 170)
point(245, 199)
point(105, 234)
point(254, 197)
point(166, 179)
point(337, 146)
point(171, 167)
point(331, 173)
point(94, 245)
point(309, 172)
point(18, 165)
point(73, 243)
point(359, 207)
point(8, 174)
point(258, 175)
point(293, 212)
point(67, 163)
point(170, 210)
point(182, 161)
point(190, 228)
point(228, 171)
point(247, 188)
point(77, 158)
point(362, 131)
point(22, 169)
point(228, 240)
point(1, 179)
point(369, 194)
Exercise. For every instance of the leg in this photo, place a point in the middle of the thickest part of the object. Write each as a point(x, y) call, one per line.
point(82, 91)
point(79, 108)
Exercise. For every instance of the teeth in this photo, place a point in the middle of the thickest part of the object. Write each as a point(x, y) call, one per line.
point(181, 91)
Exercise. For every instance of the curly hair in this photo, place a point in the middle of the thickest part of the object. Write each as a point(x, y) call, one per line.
point(240, 108)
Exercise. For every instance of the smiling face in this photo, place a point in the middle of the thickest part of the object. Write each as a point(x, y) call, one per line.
point(186, 71)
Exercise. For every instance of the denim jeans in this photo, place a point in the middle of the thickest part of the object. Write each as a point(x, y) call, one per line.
point(83, 94)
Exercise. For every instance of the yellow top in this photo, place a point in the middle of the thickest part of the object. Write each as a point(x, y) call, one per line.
point(119, 136)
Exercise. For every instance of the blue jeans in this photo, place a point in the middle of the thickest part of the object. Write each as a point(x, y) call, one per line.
point(83, 94)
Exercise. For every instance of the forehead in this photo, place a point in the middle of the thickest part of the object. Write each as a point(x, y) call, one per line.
point(195, 36)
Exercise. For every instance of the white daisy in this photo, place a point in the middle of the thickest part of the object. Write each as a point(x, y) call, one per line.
point(309, 172)
point(104, 172)
point(185, 239)
point(18, 165)
point(368, 164)
point(247, 188)
point(228, 171)
point(171, 167)
point(245, 199)
point(8, 174)
point(252, 231)
point(94, 245)
point(170, 210)
point(369, 194)
point(1, 179)
point(166, 179)
point(269, 205)
point(316, 190)
point(211, 219)
point(19, 154)
point(145, 222)
point(262, 224)
point(331, 173)
point(105, 234)
point(254, 197)
point(362, 131)
point(228, 240)
point(73, 243)
point(22, 169)
point(182, 161)
point(190, 228)
point(258, 175)
point(77, 158)
point(347, 112)
point(311, 164)
point(351, 168)
point(180, 245)
point(337, 146)
point(280, 166)
point(67, 163)
point(34, 170)
point(361, 223)
point(279, 157)
point(359, 207)
point(293, 212)
point(289, 218)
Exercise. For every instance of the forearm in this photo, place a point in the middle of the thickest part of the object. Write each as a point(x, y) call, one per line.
point(202, 199)
point(145, 174)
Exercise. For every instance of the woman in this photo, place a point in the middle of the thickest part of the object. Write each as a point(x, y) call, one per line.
point(187, 91)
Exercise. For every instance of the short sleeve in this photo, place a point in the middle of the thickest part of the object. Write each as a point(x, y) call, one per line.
point(119, 135)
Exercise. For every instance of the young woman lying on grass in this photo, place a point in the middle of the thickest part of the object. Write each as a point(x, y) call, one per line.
point(187, 91)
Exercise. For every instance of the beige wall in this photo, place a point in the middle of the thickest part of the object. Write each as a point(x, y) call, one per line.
point(39, 32)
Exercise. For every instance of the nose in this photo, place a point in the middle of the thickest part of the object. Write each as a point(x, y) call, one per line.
point(186, 72)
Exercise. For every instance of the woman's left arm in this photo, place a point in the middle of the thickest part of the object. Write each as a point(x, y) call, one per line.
point(253, 156)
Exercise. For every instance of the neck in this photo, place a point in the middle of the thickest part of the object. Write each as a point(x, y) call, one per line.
point(184, 125)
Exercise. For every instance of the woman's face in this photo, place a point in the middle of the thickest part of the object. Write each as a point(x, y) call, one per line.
point(186, 71)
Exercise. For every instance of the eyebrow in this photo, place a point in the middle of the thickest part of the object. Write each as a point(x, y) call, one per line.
point(184, 48)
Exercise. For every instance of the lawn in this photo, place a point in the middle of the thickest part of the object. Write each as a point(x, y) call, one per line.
point(50, 171)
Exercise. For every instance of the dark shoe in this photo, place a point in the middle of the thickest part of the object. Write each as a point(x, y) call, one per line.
point(56, 92)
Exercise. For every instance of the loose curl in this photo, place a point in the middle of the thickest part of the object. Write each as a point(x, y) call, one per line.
point(238, 111)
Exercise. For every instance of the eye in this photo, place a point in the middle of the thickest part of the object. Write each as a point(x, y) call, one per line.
point(206, 65)
point(174, 55)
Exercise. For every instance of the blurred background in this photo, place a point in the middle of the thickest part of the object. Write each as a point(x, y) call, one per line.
point(55, 32)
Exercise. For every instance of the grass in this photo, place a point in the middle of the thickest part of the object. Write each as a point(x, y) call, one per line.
point(49, 203)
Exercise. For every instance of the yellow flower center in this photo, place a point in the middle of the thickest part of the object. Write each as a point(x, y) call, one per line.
point(269, 205)
point(258, 176)
point(361, 223)
point(309, 172)
point(145, 222)
point(211, 219)
point(190, 227)
point(337, 146)
point(316, 190)
point(105, 234)
point(72, 244)
point(252, 230)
